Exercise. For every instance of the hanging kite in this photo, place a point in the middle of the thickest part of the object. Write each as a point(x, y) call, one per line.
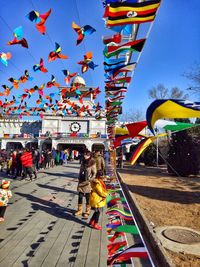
point(4, 57)
point(68, 76)
point(52, 82)
point(14, 82)
point(39, 19)
point(82, 31)
point(6, 90)
point(56, 53)
point(25, 77)
point(18, 38)
point(40, 66)
point(87, 63)
point(171, 108)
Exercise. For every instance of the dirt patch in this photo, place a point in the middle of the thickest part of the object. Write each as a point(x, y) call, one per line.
point(166, 200)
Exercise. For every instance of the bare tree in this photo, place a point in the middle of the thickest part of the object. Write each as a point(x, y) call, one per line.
point(194, 76)
point(161, 92)
point(132, 115)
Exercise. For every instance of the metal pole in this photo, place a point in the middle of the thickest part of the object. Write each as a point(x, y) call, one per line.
point(157, 153)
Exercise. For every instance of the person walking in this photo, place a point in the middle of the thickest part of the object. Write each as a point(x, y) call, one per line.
point(18, 164)
point(97, 199)
point(5, 194)
point(27, 163)
point(86, 175)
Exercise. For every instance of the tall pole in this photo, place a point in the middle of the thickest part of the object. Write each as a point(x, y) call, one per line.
point(157, 154)
point(157, 145)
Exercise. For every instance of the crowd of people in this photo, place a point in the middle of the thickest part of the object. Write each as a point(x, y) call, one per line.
point(27, 162)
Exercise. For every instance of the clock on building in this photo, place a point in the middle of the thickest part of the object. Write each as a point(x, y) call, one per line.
point(75, 127)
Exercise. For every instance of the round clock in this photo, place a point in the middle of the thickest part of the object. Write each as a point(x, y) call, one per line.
point(75, 127)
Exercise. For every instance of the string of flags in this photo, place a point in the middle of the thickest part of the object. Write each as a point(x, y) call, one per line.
point(121, 16)
point(121, 222)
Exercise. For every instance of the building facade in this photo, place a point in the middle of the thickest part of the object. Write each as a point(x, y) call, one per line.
point(57, 131)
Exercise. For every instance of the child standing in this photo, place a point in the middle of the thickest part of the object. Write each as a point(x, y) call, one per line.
point(97, 199)
point(5, 194)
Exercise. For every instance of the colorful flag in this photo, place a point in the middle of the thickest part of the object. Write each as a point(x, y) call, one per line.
point(135, 251)
point(136, 127)
point(124, 69)
point(171, 108)
point(116, 38)
point(131, 13)
point(174, 125)
point(114, 50)
point(116, 247)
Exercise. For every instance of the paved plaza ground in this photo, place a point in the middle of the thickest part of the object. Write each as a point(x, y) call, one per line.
point(40, 229)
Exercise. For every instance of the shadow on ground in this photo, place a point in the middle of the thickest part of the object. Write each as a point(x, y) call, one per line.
point(59, 189)
point(52, 208)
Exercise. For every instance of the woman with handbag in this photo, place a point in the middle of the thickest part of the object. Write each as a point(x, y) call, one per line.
point(87, 173)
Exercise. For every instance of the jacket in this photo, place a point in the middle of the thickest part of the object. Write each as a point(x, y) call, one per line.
point(27, 159)
point(98, 194)
point(5, 194)
point(100, 163)
point(89, 171)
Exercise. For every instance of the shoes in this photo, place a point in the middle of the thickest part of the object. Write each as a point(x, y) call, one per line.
point(87, 212)
point(91, 223)
point(79, 210)
point(96, 226)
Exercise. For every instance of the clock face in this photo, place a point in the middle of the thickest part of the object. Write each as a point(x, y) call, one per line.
point(75, 127)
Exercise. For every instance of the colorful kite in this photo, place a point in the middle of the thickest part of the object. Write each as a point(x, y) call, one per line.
point(52, 82)
point(171, 109)
point(123, 13)
point(82, 31)
point(4, 57)
point(40, 66)
point(15, 82)
point(56, 53)
point(68, 76)
point(18, 38)
point(39, 19)
point(87, 63)
point(25, 77)
point(6, 90)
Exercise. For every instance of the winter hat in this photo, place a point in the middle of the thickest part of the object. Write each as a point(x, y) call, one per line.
point(5, 184)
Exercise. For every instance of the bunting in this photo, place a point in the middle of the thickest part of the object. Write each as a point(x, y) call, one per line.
point(130, 13)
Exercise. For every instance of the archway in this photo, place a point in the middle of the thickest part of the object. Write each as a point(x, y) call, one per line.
point(79, 148)
point(32, 145)
point(98, 146)
point(47, 144)
point(13, 146)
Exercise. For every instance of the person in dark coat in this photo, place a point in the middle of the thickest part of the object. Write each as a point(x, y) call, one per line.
point(87, 173)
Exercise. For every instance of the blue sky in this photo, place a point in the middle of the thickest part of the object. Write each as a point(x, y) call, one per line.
point(171, 49)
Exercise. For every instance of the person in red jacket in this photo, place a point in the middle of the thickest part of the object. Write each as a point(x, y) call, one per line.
point(27, 163)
